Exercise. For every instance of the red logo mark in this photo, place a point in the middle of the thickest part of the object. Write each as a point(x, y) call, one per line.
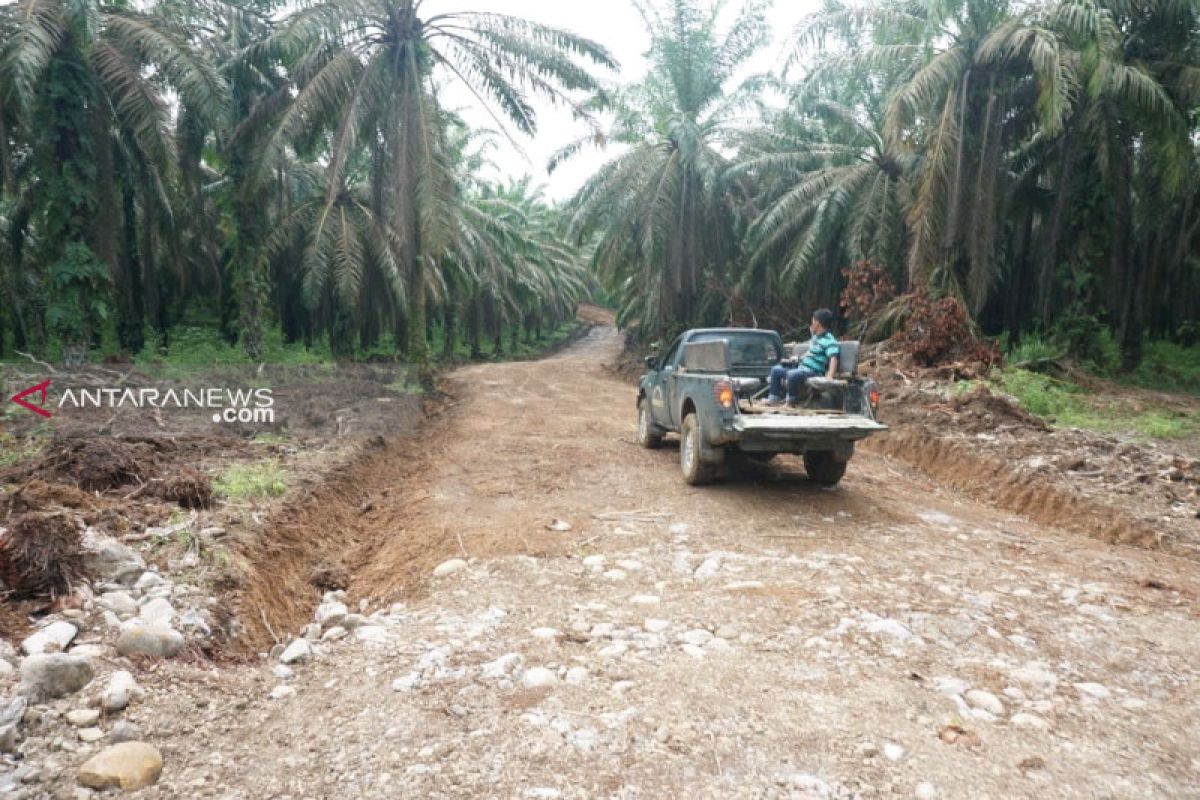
point(19, 398)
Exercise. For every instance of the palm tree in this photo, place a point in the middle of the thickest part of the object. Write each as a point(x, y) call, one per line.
point(84, 87)
point(366, 72)
point(662, 213)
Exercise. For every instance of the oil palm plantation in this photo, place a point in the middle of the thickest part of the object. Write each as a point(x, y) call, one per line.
point(663, 216)
point(366, 74)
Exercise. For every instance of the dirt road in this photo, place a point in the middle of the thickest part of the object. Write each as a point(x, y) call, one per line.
point(761, 637)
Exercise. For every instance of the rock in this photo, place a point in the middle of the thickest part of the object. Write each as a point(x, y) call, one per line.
point(986, 701)
point(197, 622)
point(150, 580)
point(158, 611)
point(594, 561)
point(892, 751)
point(709, 567)
point(1023, 719)
point(282, 692)
point(298, 650)
point(334, 633)
point(538, 678)
point(542, 793)
point(559, 526)
point(14, 712)
point(615, 575)
point(810, 785)
point(124, 731)
point(8, 738)
point(614, 650)
point(925, 791)
point(160, 641)
point(54, 675)
point(656, 625)
point(449, 567)
point(83, 717)
point(283, 672)
point(630, 565)
point(122, 689)
point(693, 650)
point(1094, 691)
point(950, 686)
point(577, 676)
point(1035, 678)
point(91, 650)
point(90, 735)
point(353, 621)
point(544, 633)
point(127, 766)
point(120, 603)
point(644, 600)
point(371, 634)
point(7, 670)
point(719, 645)
point(53, 638)
point(890, 628)
point(109, 560)
point(501, 667)
point(697, 636)
point(331, 613)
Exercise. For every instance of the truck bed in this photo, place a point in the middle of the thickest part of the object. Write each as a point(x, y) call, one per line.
point(811, 423)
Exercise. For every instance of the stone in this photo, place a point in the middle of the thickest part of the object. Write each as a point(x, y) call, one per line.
point(925, 791)
point(890, 628)
point(109, 560)
point(373, 634)
point(594, 562)
point(150, 580)
point(892, 751)
point(538, 678)
point(121, 690)
point(709, 567)
point(8, 738)
point(1035, 679)
point(54, 675)
point(334, 633)
point(283, 672)
point(127, 766)
point(615, 575)
point(197, 622)
point(298, 650)
point(985, 701)
point(693, 650)
point(53, 638)
point(656, 625)
point(810, 785)
point(629, 565)
point(502, 666)
point(614, 650)
point(544, 633)
point(14, 711)
point(577, 676)
point(282, 692)
point(124, 731)
point(120, 603)
point(158, 611)
point(950, 686)
point(353, 621)
point(644, 600)
point(83, 717)
point(1023, 719)
point(331, 613)
point(160, 641)
point(1094, 691)
point(696, 636)
point(91, 650)
point(90, 735)
point(449, 567)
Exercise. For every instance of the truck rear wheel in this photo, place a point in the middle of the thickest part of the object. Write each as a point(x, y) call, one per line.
point(823, 468)
point(647, 432)
point(695, 471)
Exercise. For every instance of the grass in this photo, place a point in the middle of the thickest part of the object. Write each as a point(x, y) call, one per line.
point(14, 449)
point(1169, 367)
point(251, 481)
point(1067, 404)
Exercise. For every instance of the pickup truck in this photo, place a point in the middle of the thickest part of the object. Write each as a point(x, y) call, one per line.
point(709, 386)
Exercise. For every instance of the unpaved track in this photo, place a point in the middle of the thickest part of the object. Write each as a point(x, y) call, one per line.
point(843, 618)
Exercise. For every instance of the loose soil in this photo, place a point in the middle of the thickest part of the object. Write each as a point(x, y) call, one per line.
point(762, 637)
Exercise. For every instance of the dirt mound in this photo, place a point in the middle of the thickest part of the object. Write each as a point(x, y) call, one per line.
point(188, 488)
point(101, 463)
point(41, 554)
point(963, 467)
point(981, 409)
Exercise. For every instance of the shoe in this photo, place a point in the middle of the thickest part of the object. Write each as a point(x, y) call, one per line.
point(772, 402)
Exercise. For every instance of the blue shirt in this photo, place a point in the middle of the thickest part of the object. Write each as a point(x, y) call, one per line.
point(821, 349)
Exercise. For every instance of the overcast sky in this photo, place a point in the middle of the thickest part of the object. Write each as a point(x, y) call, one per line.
point(617, 25)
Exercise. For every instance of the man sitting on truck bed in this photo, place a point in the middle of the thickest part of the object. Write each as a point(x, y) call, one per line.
point(821, 359)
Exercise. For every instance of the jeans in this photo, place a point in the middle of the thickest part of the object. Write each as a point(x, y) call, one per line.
point(795, 377)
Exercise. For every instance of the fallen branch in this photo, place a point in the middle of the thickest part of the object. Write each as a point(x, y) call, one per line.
point(42, 364)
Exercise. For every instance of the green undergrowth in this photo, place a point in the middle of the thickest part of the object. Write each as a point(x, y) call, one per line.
point(1066, 404)
point(251, 481)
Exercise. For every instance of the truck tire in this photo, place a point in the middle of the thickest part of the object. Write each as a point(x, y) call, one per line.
point(647, 432)
point(695, 471)
point(823, 468)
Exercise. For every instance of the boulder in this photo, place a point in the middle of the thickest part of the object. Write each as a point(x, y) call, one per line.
point(128, 766)
point(122, 689)
point(110, 560)
point(160, 641)
point(54, 675)
point(53, 638)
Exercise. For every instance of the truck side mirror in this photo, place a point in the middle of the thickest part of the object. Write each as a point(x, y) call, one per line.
point(651, 361)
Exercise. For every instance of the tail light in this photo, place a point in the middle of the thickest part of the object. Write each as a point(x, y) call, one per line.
point(874, 397)
point(723, 391)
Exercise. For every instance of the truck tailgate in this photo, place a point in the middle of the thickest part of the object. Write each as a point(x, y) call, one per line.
point(806, 424)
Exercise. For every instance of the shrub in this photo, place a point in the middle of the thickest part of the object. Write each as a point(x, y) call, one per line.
point(938, 331)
